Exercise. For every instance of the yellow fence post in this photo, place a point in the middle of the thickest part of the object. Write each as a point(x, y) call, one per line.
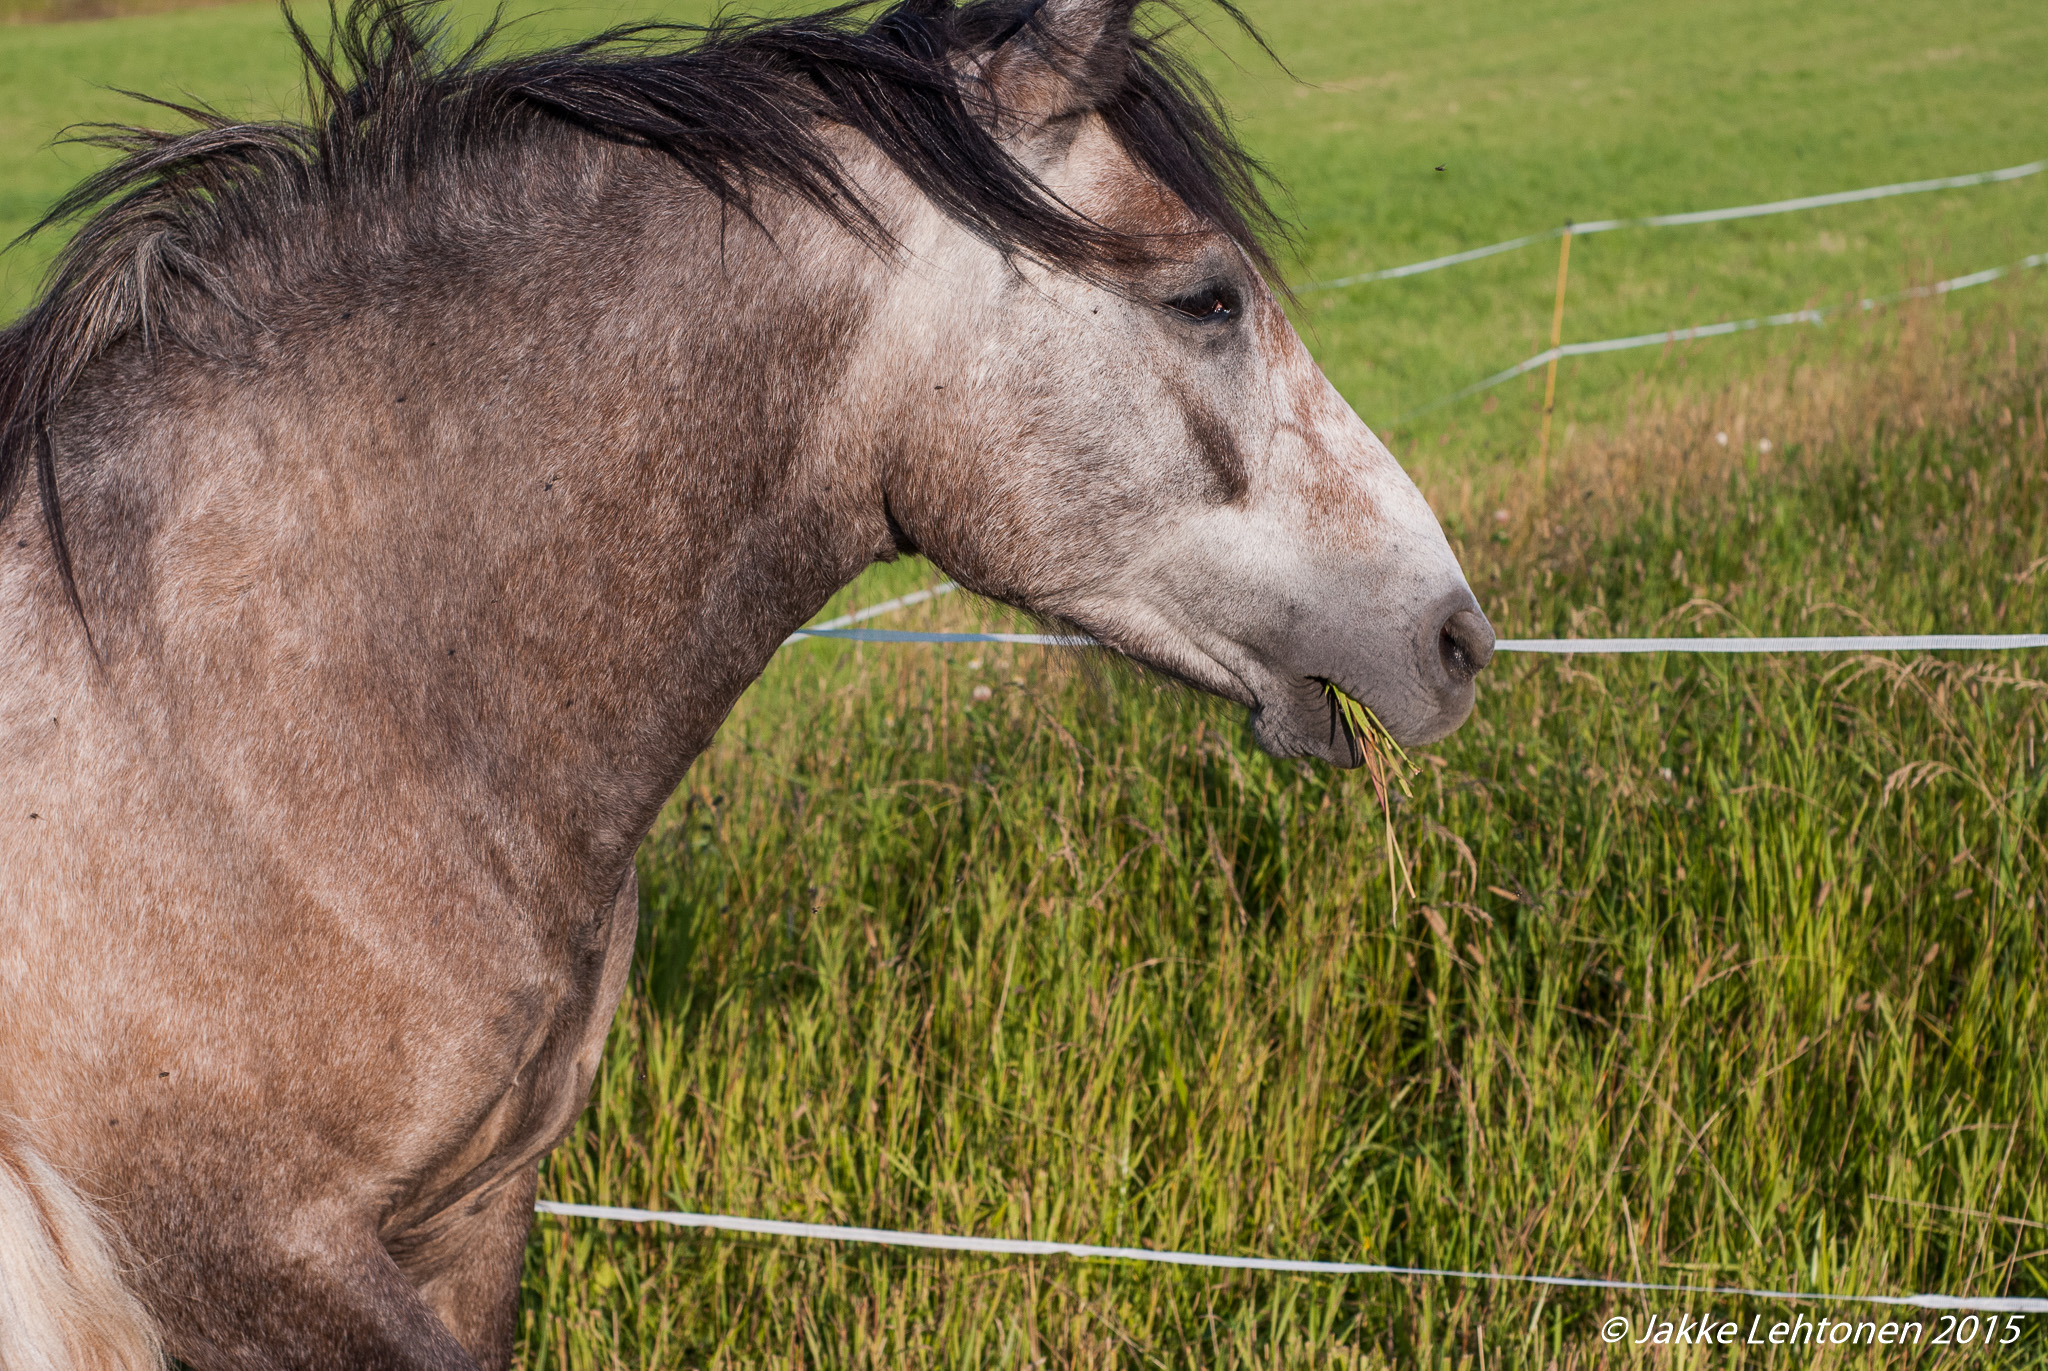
point(1564, 263)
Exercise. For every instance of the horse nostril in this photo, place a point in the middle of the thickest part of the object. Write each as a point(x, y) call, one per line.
point(1465, 643)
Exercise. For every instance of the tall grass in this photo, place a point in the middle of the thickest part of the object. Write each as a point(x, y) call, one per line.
point(1720, 971)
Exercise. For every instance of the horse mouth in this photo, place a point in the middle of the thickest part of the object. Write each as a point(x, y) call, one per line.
point(1418, 691)
point(1417, 681)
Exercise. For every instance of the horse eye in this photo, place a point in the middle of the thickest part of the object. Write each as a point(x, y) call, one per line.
point(1214, 303)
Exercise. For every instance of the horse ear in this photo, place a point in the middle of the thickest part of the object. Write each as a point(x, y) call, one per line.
point(1058, 57)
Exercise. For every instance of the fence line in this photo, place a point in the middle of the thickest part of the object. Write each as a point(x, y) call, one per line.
point(1020, 1247)
point(897, 635)
point(1703, 216)
point(1569, 647)
point(915, 597)
point(1684, 335)
point(1922, 642)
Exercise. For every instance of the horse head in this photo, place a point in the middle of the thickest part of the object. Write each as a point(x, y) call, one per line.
point(1141, 445)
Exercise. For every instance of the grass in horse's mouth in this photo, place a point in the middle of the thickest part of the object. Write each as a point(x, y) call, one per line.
point(1388, 765)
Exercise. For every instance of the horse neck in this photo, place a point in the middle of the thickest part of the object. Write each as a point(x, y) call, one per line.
point(506, 538)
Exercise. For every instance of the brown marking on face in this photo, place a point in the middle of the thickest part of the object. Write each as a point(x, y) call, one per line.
point(1216, 439)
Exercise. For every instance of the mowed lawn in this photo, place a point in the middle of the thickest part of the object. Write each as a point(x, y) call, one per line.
point(1712, 972)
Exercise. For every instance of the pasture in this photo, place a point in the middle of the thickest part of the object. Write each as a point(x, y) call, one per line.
point(1714, 971)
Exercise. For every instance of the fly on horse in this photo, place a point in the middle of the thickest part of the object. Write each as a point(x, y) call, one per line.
point(397, 501)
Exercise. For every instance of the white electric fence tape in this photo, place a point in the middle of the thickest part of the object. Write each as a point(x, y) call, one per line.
point(915, 597)
point(1922, 642)
point(1703, 216)
point(1683, 335)
point(894, 635)
point(1019, 1247)
point(1909, 642)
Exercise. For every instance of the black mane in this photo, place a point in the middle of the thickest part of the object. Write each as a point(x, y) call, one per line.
point(740, 105)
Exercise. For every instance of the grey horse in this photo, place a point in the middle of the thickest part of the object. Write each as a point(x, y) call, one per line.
point(396, 502)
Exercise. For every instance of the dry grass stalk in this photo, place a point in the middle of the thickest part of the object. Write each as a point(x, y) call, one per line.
point(1388, 765)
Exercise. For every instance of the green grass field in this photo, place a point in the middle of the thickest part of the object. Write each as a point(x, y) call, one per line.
point(1714, 972)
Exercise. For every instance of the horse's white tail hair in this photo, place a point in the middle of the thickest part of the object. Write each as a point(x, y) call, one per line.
point(62, 1304)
